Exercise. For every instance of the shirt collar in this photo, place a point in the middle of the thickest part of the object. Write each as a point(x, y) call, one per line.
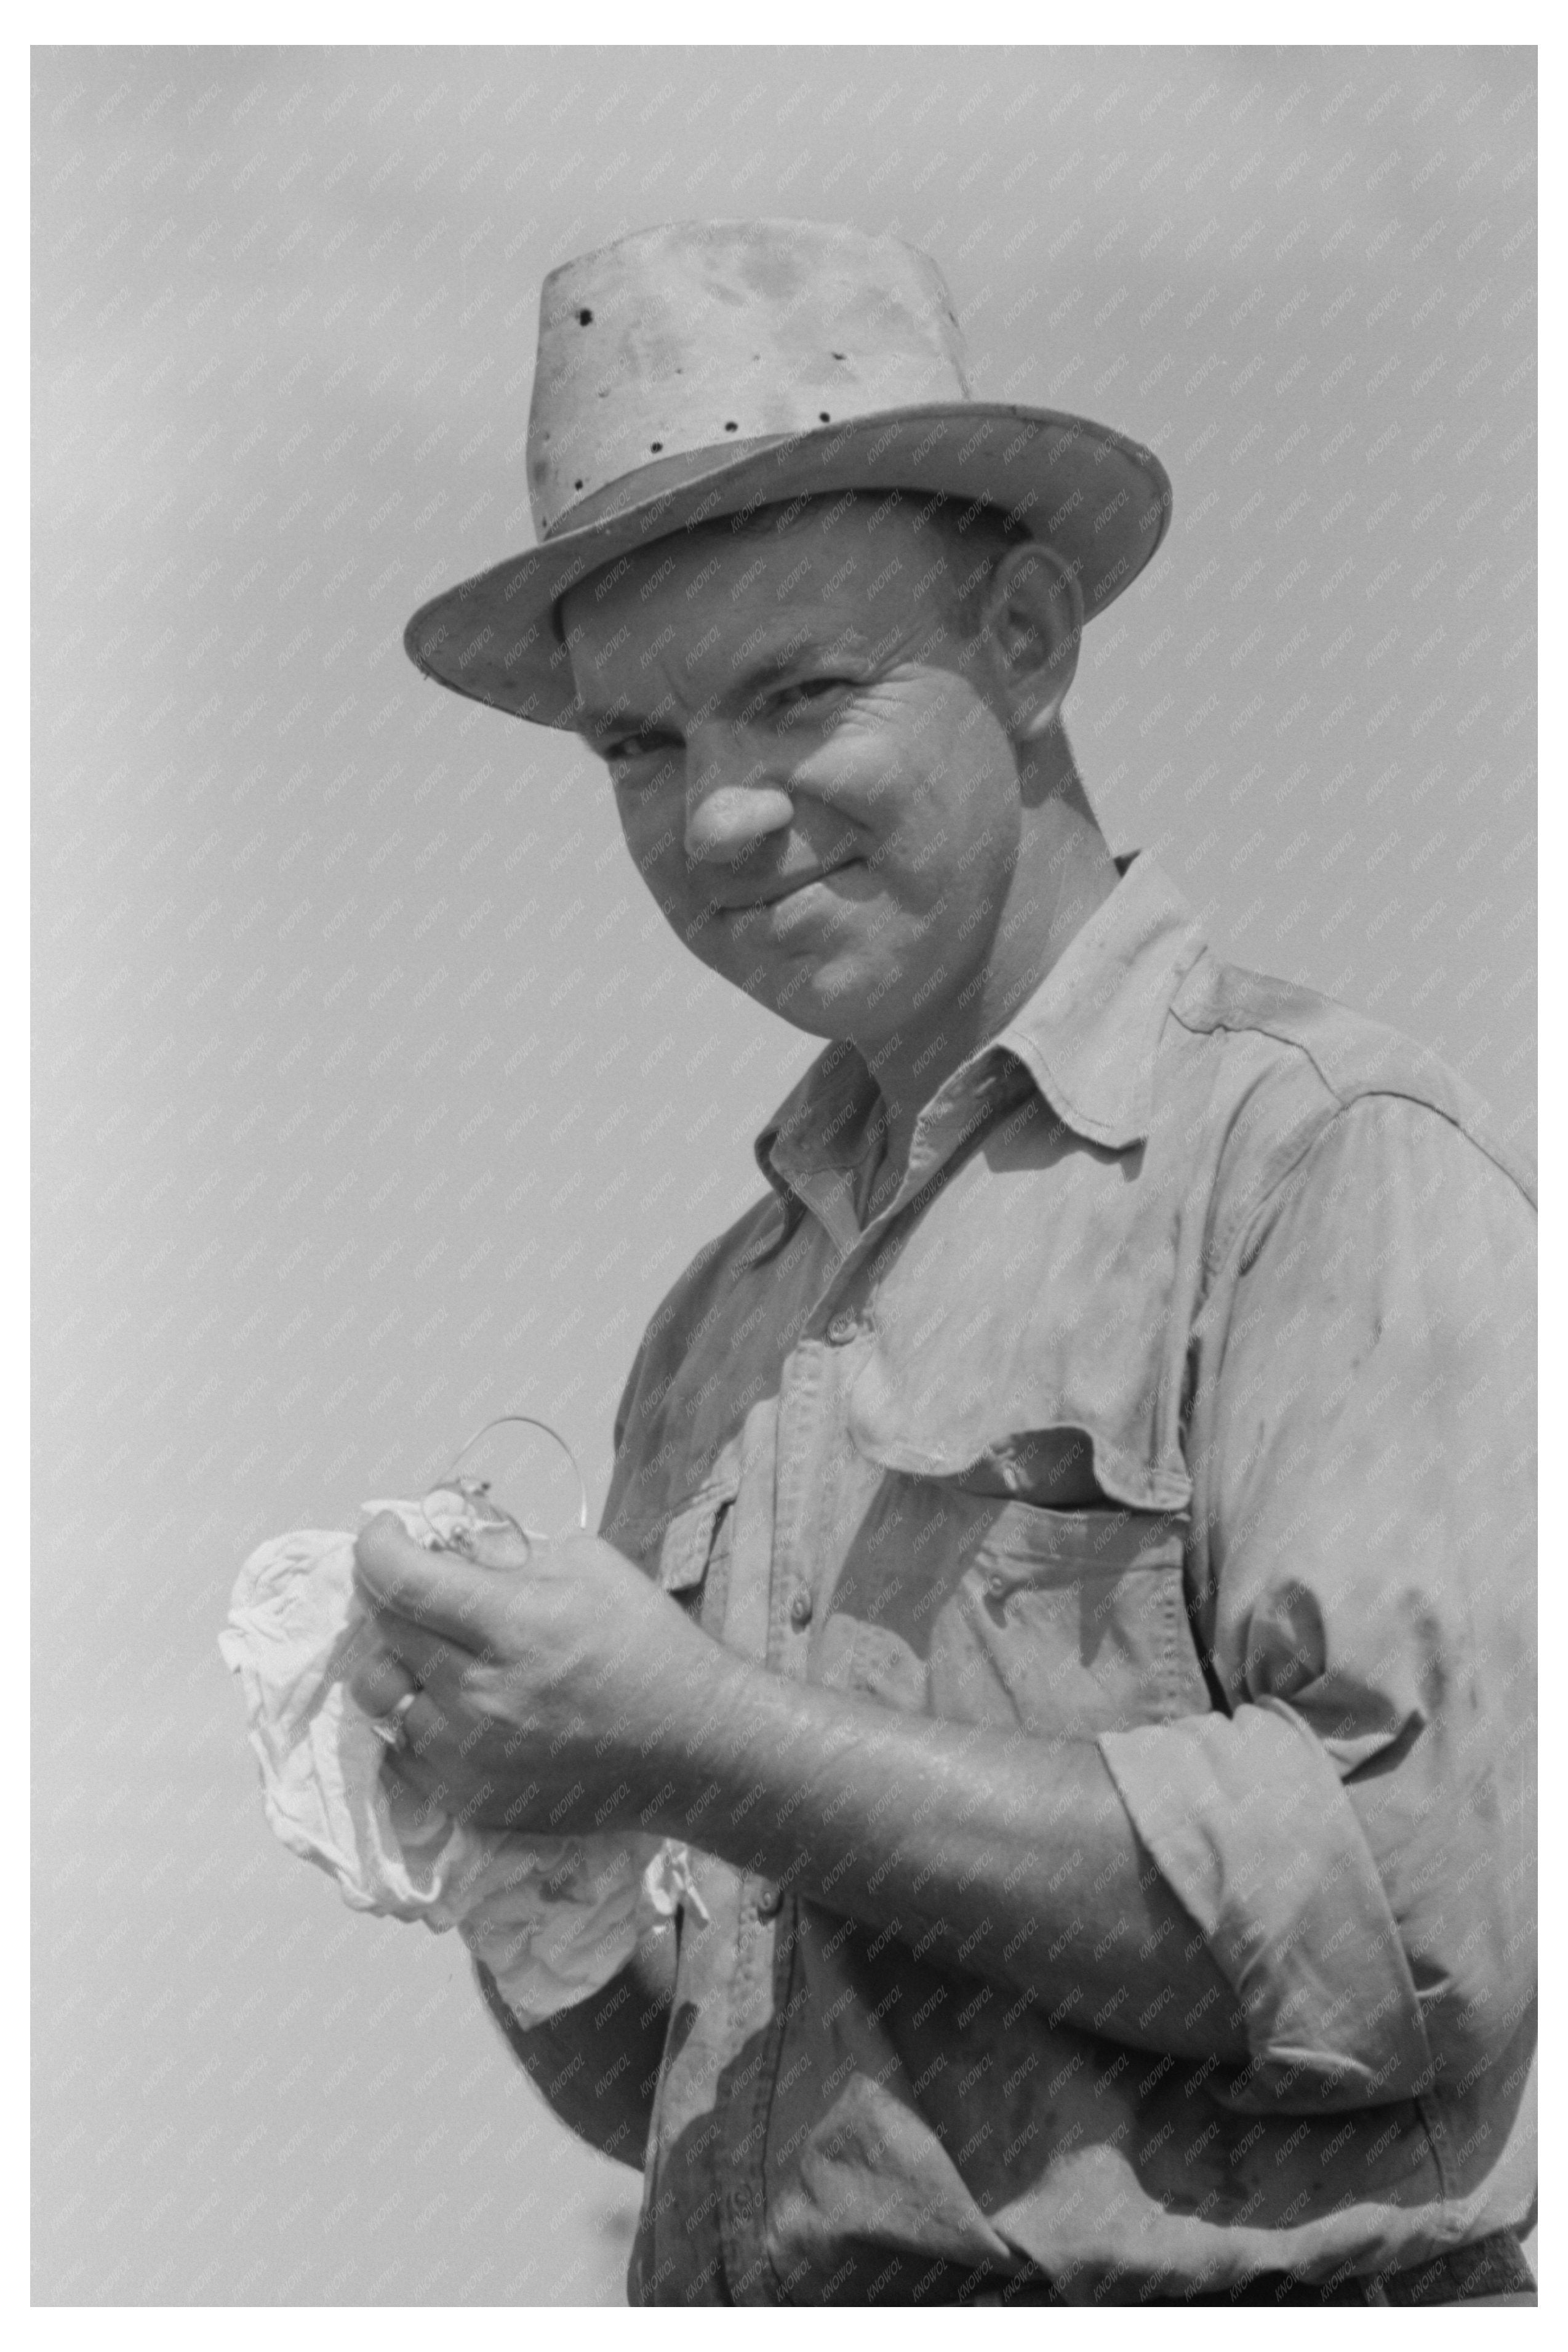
point(1086, 1038)
point(816, 1140)
point(1088, 1035)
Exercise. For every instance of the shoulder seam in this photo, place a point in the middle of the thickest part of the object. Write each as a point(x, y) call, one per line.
point(1304, 1138)
point(1501, 1159)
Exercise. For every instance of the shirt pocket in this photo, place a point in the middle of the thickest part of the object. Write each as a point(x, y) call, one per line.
point(1069, 1624)
point(694, 1557)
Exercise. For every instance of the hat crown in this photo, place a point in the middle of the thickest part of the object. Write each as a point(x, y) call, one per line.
point(706, 335)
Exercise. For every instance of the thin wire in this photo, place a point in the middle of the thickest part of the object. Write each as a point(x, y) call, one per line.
point(531, 1536)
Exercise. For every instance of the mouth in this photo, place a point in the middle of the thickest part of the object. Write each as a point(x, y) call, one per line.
point(784, 889)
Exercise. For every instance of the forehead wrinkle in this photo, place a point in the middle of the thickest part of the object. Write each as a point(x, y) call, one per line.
point(769, 649)
point(813, 620)
point(762, 665)
point(598, 718)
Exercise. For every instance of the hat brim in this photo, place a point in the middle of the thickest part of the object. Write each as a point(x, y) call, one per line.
point(1099, 500)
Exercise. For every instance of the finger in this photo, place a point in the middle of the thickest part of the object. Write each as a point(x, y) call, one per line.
point(437, 1774)
point(418, 1777)
point(499, 1546)
point(433, 1589)
point(425, 1657)
point(424, 1743)
point(425, 1725)
point(378, 1682)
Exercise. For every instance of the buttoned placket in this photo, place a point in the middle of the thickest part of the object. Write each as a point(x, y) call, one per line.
point(807, 1399)
point(813, 1378)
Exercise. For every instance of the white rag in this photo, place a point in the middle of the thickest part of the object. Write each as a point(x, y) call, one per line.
point(553, 1919)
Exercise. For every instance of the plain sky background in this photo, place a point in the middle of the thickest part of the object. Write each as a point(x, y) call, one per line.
point(372, 1097)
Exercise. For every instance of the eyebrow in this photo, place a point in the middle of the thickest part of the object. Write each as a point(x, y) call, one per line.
point(618, 721)
point(767, 665)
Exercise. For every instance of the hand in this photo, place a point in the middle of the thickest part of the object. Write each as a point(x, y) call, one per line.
point(545, 1693)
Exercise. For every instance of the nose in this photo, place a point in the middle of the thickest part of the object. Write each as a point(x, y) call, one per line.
point(732, 802)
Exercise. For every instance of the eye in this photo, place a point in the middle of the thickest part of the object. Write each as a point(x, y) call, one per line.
point(808, 692)
point(639, 761)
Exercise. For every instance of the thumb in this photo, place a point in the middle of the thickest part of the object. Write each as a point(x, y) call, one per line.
point(438, 1590)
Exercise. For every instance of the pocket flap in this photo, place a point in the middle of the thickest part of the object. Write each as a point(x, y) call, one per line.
point(689, 1539)
point(1001, 1434)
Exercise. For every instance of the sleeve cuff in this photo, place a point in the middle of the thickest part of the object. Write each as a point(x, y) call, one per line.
point(1250, 1828)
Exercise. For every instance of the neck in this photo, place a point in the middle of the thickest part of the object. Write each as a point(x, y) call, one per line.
point(1064, 870)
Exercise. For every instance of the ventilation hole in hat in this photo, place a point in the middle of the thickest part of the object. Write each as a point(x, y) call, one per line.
point(823, 416)
point(838, 355)
point(585, 318)
point(655, 446)
point(732, 428)
point(577, 486)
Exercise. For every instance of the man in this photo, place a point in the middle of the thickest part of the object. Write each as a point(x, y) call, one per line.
point(1065, 1574)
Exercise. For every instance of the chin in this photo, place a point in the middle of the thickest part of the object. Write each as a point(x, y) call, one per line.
point(826, 1000)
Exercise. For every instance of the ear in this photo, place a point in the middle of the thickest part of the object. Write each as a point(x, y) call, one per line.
point(1032, 625)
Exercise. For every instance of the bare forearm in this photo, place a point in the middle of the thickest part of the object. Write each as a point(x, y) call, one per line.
point(1007, 1855)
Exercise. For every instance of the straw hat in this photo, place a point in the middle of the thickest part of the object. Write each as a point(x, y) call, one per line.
point(706, 368)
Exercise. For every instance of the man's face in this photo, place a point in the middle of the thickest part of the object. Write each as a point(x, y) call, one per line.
point(816, 788)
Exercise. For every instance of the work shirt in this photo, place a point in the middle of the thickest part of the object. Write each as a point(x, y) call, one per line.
point(1179, 1401)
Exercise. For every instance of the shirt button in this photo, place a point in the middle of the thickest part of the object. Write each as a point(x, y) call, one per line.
point(769, 1903)
point(800, 1611)
point(843, 1327)
point(996, 1587)
point(743, 2198)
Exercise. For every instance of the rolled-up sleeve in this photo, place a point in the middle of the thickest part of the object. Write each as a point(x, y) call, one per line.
point(1354, 1836)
